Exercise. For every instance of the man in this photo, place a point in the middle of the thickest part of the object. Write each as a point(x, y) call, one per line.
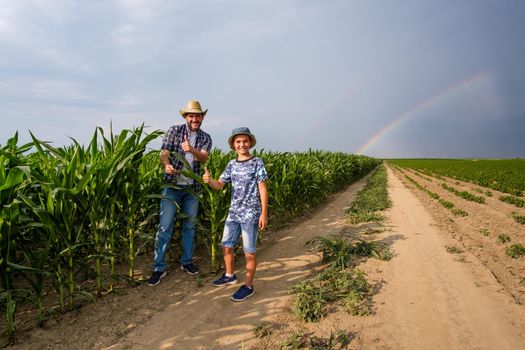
point(190, 142)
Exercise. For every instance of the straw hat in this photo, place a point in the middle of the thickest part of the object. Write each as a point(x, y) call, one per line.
point(242, 131)
point(193, 107)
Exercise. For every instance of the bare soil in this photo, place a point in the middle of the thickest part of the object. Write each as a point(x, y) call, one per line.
point(425, 297)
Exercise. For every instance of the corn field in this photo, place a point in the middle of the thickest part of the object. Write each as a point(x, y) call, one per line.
point(74, 214)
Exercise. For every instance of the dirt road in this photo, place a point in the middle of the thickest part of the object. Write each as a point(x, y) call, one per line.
point(426, 297)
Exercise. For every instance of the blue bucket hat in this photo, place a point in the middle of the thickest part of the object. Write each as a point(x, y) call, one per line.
point(242, 131)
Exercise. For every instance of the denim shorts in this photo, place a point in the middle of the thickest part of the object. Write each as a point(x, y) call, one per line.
point(232, 232)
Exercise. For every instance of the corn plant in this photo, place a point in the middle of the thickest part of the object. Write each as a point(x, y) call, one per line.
point(62, 184)
point(12, 176)
point(133, 189)
point(215, 204)
point(141, 200)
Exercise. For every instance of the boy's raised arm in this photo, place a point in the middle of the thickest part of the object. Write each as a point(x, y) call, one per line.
point(215, 184)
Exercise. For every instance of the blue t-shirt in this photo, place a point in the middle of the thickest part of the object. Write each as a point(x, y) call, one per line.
point(245, 177)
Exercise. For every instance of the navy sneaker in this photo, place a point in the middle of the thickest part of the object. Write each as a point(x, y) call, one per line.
point(155, 278)
point(224, 280)
point(242, 293)
point(190, 268)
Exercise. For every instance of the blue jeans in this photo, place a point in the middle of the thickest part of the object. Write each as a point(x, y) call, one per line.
point(233, 230)
point(189, 203)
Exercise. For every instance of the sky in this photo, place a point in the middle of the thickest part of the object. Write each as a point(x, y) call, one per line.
point(388, 79)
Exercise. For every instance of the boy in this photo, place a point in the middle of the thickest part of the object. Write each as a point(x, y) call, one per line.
point(248, 177)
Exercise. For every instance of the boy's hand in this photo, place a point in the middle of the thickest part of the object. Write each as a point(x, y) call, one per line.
point(186, 146)
point(206, 177)
point(263, 222)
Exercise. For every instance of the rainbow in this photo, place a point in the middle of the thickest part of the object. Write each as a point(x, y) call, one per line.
point(422, 106)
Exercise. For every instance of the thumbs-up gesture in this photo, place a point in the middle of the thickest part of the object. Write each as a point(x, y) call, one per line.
point(186, 146)
point(206, 177)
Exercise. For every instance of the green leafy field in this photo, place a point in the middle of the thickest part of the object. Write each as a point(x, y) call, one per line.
point(505, 175)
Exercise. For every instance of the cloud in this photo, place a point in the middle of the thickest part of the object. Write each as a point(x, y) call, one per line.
point(278, 67)
point(45, 89)
point(9, 19)
point(139, 10)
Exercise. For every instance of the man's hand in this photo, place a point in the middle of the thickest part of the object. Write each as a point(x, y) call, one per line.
point(170, 170)
point(186, 146)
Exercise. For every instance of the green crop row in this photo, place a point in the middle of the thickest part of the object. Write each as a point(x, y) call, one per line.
point(434, 195)
point(370, 201)
point(520, 203)
point(464, 194)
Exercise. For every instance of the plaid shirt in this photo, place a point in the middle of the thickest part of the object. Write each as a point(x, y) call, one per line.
point(172, 142)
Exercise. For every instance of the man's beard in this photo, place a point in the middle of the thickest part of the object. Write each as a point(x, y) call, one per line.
point(194, 129)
